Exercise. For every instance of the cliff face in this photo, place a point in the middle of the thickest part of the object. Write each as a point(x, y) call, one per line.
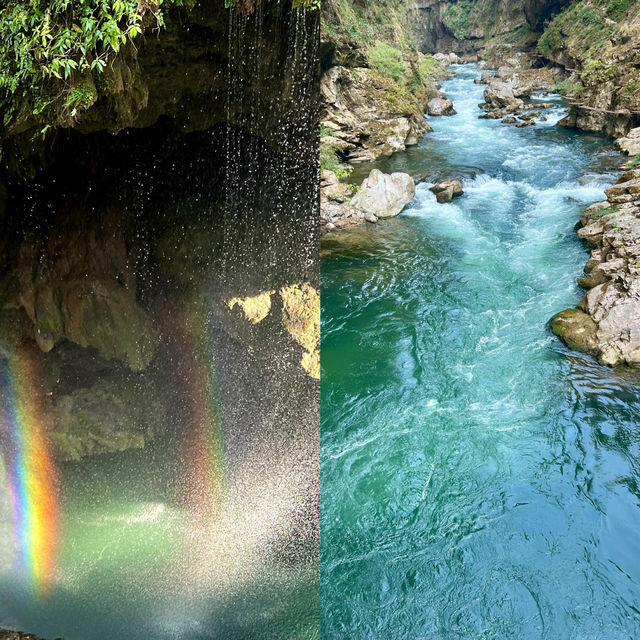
point(465, 26)
point(375, 83)
point(598, 42)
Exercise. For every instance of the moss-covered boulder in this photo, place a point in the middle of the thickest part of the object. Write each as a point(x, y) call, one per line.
point(577, 330)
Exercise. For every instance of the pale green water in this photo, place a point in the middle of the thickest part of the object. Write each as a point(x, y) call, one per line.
point(478, 479)
point(129, 568)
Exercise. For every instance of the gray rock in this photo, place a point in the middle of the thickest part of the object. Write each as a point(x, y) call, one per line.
point(383, 195)
point(447, 191)
point(630, 144)
point(440, 107)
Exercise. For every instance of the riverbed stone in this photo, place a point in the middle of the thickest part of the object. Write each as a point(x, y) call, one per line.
point(448, 190)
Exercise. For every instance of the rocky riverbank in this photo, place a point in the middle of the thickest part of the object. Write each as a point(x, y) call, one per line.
point(375, 83)
point(606, 323)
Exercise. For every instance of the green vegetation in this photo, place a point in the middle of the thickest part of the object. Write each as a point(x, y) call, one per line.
point(584, 22)
point(568, 87)
point(388, 60)
point(617, 8)
point(595, 72)
point(594, 215)
point(51, 51)
point(367, 22)
point(457, 18)
point(591, 34)
point(634, 162)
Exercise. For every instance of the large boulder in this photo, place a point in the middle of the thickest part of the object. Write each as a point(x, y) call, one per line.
point(440, 107)
point(577, 330)
point(500, 94)
point(383, 196)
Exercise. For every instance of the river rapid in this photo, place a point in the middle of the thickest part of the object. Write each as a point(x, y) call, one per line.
point(479, 480)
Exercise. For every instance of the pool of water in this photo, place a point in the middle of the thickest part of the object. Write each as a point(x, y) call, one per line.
point(135, 562)
point(478, 479)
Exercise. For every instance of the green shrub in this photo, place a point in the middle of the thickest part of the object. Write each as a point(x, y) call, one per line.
point(567, 87)
point(617, 8)
point(595, 72)
point(388, 60)
point(551, 40)
point(457, 18)
point(44, 43)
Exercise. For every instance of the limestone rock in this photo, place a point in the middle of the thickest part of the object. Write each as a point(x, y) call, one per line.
point(301, 318)
point(576, 329)
point(79, 284)
point(630, 144)
point(362, 121)
point(607, 321)
point(447, 191)
point(384, 195)
point(500, 94)
point(440, 107)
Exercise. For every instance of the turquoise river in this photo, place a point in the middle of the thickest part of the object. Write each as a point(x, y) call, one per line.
point(479, 480)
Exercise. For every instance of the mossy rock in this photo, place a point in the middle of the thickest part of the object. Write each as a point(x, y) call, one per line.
point(577, 330)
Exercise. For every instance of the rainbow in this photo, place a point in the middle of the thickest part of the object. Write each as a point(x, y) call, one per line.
point(30, 470)
point(205, 477)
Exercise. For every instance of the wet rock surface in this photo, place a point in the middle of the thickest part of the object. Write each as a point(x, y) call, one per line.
point(447, 191)
point(607, 321)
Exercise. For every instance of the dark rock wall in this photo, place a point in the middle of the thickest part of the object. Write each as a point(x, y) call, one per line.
point(192, 180)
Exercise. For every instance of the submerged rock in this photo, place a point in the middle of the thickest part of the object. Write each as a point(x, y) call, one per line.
point(447, 191)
